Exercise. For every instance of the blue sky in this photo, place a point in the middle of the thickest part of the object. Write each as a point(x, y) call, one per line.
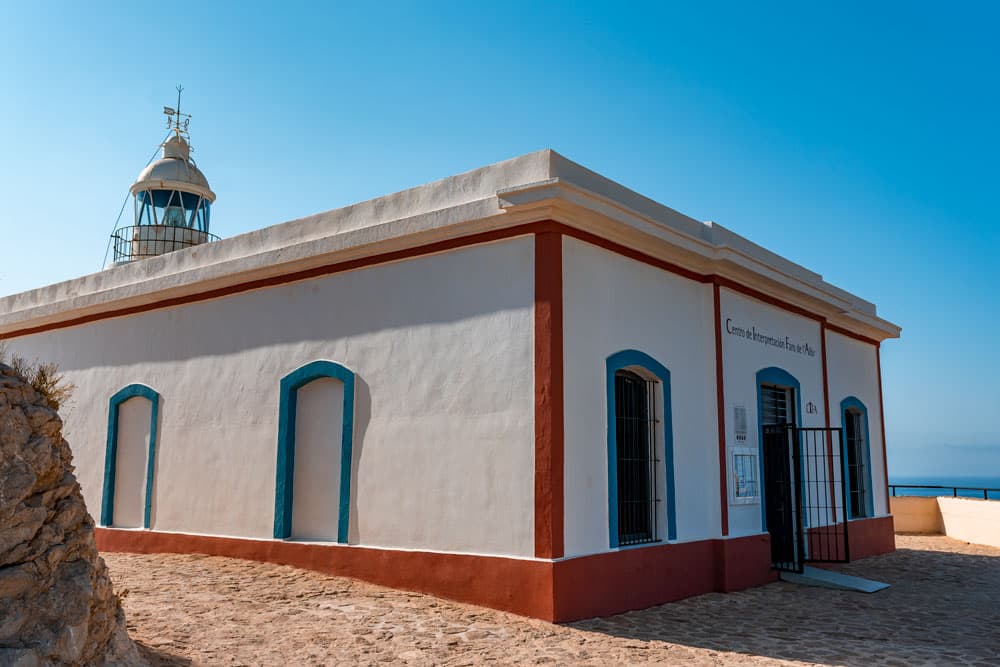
point(861, 142)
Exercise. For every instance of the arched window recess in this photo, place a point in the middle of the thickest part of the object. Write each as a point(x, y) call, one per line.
point(856, 460)
point(285, 473)
point(111, 450)
point(641, 507)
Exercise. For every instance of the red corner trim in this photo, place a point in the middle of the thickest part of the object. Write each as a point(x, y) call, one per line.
point(720, 403)
point(549, 432)
point(826, 414)
point(881, 411)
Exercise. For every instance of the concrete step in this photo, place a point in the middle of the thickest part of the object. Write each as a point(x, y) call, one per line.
point(815, 576)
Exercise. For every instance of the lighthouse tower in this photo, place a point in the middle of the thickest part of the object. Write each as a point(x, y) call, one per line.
point(172, 200)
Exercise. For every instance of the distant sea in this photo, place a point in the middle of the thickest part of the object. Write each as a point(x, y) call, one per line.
point(973, 482)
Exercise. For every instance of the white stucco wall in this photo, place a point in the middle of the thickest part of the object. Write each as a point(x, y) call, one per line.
point(130, 466)
point(743, 357)
point(611, 304)
point(852, 370)
point(968, 519)
point(316, 476)
point(971, 520)
point(918, 514)
point(444, 436)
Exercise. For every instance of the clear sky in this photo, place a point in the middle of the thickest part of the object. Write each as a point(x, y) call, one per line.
point(858, 139)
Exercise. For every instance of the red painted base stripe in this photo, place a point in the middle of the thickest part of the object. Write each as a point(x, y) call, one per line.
point(519, 586)
point(867, 537)
point(566, 590)
point(872, 537)
point(619, 581)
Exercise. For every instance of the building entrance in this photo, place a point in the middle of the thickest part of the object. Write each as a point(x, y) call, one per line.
point(804, 495)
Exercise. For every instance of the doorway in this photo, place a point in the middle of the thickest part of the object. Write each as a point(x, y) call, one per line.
point(805, 508)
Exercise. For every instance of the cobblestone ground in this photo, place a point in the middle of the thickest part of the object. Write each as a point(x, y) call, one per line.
point(943, 608)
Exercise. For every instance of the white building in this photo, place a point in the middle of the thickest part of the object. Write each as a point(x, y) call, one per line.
point(524, 386)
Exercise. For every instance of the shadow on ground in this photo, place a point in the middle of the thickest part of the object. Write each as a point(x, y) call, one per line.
point(942, 608)
point(160, 658)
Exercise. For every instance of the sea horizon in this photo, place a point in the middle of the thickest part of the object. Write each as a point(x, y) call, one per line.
point(971, 482)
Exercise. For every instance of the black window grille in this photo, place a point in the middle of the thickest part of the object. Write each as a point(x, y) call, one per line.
point(854, 437)
point(774, 405)
point(635, 428)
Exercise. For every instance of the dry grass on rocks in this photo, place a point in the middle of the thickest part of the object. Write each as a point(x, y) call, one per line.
point(57, 605)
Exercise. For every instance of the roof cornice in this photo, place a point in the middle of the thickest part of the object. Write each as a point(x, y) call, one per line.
point(708, 249)
point(532, 188)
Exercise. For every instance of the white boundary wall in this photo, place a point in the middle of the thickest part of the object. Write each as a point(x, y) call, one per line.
point(917, 514)
point(968, 519)
point(444, 410)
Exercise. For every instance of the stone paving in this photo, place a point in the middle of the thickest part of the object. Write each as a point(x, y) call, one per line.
point(943, 608)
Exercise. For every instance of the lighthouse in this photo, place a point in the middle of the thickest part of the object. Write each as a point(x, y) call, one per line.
point(172, 200)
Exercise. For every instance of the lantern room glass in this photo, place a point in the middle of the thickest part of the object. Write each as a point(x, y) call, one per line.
point(172, 208)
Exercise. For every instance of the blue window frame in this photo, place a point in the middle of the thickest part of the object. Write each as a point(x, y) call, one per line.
point(769, 379)
point(620, 369)
point(284, 491)
point(111, 451)
point(857, 458)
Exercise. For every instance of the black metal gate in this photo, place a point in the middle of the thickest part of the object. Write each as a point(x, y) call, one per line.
point(804, 493)
point(782, 485)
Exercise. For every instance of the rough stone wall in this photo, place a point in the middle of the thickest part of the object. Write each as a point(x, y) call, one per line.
point(57, 605)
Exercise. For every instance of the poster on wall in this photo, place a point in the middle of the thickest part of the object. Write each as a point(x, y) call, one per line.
point(744, 475)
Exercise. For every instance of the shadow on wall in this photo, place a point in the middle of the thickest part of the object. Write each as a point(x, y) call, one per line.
point(783, 621)
point(155, 465)
point(362, 417)
point(384, 298)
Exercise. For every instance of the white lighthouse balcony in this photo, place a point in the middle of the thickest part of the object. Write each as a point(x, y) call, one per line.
point(140, 241)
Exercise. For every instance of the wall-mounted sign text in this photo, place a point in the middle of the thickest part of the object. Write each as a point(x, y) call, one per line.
point(781, 342)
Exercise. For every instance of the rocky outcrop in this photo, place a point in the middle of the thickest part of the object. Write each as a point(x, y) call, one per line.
point(57, 605)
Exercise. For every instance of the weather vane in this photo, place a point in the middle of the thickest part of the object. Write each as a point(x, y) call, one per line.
point(177, 121)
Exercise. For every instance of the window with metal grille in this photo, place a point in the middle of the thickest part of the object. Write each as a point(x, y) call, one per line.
point(635, 427)
point(854, 434)
point(774, 405)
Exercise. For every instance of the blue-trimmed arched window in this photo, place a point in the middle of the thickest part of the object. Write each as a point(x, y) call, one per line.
point(778, 402)
point(112, 476)
point(640, 450)
point(338, 444)
point(857, 458)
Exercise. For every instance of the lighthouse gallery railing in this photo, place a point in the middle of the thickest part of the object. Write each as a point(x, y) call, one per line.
point(139, 241)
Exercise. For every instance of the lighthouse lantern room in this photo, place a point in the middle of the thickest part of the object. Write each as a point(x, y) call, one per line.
point(172, 200)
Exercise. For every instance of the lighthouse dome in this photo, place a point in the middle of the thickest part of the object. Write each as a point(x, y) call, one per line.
point(174, 171)
point(173, 202)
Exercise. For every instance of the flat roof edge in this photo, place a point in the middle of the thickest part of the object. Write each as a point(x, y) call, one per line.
point(523, 189)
